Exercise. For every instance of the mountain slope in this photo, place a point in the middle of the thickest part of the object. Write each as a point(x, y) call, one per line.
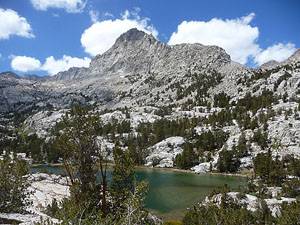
point(193, 87)
point(135, 58)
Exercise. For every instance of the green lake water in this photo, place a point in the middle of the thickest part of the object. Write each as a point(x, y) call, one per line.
point(172, 192)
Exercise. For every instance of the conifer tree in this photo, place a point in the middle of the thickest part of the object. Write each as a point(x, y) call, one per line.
point(123, 181)
point(13, 185)
point(82, 157)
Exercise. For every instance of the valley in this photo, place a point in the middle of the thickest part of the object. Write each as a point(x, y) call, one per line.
point(146, 103)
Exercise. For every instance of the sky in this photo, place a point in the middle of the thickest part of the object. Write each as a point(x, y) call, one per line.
point(44, 37)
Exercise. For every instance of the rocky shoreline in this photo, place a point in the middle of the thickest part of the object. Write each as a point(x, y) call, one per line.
point(247, 173)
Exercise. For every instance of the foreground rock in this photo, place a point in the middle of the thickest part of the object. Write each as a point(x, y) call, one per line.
point(252, 202)
point(45, 188)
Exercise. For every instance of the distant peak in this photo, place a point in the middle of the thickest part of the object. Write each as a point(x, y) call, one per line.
point(269, 64)
point(295, 56)
point(134, 35)
point(9, 74)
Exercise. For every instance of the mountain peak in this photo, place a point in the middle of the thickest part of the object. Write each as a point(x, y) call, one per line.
point(134, 35)
point(295, 56)
point(9, 74)
point(136, 52)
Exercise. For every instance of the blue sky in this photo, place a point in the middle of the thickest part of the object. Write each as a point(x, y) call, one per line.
point(46, 36)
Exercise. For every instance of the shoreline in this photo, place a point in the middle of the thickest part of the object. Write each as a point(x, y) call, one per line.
point(167, 169)
point(191, 171)
point(172, 213)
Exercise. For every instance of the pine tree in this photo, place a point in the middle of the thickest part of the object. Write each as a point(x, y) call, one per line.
point(242, 148)
point(13, 185)
point(227, 162)
point(82, 157)
point(188, 158)
point(123, 181)
point(262, 165)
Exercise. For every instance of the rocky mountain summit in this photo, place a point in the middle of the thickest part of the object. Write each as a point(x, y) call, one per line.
point(141, 80)
point(134, 59)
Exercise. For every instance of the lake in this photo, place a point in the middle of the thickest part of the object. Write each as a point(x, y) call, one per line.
point(172, 192)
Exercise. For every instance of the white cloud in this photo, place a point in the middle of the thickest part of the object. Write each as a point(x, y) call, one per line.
point(13, 24)
point(100, 36)
point(236, 36)
point(278, 52)
point(53, 66)
point(25, 63)
point(55, 15)
point(108, 15)
point(71, 6)
point(94, 15)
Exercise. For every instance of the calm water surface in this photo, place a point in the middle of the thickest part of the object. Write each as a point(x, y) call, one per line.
point(171, 192)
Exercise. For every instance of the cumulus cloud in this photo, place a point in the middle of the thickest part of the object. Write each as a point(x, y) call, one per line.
point(237, 36)
point(278, 52)
point(51, 65)
point(13, 24)
point(71, 6)
point(25, 63)
point(101, 35)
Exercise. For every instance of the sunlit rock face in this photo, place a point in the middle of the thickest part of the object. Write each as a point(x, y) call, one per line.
point(163, 153)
